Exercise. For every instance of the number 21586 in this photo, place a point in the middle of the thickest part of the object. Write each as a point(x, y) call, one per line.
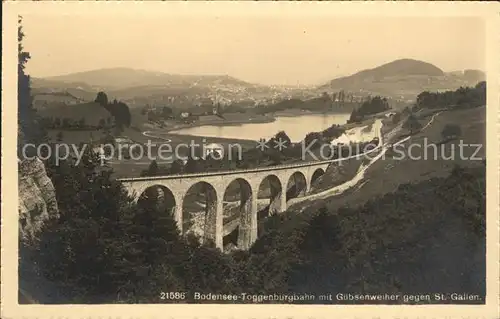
point(172, 295)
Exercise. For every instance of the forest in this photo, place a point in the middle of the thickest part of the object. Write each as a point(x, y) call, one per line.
point(106, 249)
point(462, 97)
point(371, 106)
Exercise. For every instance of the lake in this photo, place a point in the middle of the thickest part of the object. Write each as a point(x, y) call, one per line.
point(296, 127)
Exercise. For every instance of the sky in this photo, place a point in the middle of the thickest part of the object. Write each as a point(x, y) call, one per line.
point(258, 49)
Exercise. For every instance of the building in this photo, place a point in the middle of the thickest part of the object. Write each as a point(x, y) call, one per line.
point(99, 151)
point(215, 150)
point(206, 103)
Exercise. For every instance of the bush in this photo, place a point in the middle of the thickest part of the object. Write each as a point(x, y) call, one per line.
point(396, 118)
point(451, 131)
point(412, 124)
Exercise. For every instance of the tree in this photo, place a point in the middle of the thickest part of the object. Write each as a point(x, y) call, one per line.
point(321, 233)
point(325, 97)
point(154, 232)
point(342, 97)
point(122, 115)
point(451, 131)
point(192, 165)
point(65, 123)
point(29, 130)
point(81, 122)
point(135, 150)
point(166, 112)
point(151, 116)
point(102, 99)
point(373, 105)
point(481, 93)
point(220, 108)
point(313, 137)
point(356, 116)
point(102, 123)
point(282, 137)
point(177, 167)
point(333, 131)
point(60, 136)
point(481, 86)
point(275, 156)
point(153, 169)
point(108, 137)
point(412, 124)
point(396, 118)
point(406, 111)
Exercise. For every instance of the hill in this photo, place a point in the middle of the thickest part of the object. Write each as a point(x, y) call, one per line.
point(398, 68)
point(140, 87)
point(120, 78)
point(48, 85)
point(402, 79)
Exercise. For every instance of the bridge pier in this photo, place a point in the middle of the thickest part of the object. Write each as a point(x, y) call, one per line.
point(254, 220)
point(247, 234)
point(213, 220)
point(278, 201)
point(307, 188)
point(219, 225)
point(177, 212)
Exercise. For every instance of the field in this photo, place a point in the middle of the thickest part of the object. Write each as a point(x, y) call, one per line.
point(388, 173)
point(76, 136)
point(92, 112)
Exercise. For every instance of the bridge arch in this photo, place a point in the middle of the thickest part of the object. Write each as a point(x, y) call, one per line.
point(316, 175)
point(158, 197)
point(272, 188)
point(296, 185)
point(238, 213)
point(199, 211)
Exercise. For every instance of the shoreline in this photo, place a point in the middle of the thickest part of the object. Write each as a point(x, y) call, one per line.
point(265, 118)
point(168, 137)
point(182, 126)
point(295, 113)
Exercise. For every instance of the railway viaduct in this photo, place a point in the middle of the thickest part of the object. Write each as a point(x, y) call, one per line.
point(276, 179)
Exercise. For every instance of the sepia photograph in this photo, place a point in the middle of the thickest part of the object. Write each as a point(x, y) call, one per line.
point(251, 156)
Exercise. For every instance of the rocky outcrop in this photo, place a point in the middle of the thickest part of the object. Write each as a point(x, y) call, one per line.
point(37, 198)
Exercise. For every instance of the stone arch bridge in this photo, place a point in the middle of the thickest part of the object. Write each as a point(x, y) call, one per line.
point(274, 180)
